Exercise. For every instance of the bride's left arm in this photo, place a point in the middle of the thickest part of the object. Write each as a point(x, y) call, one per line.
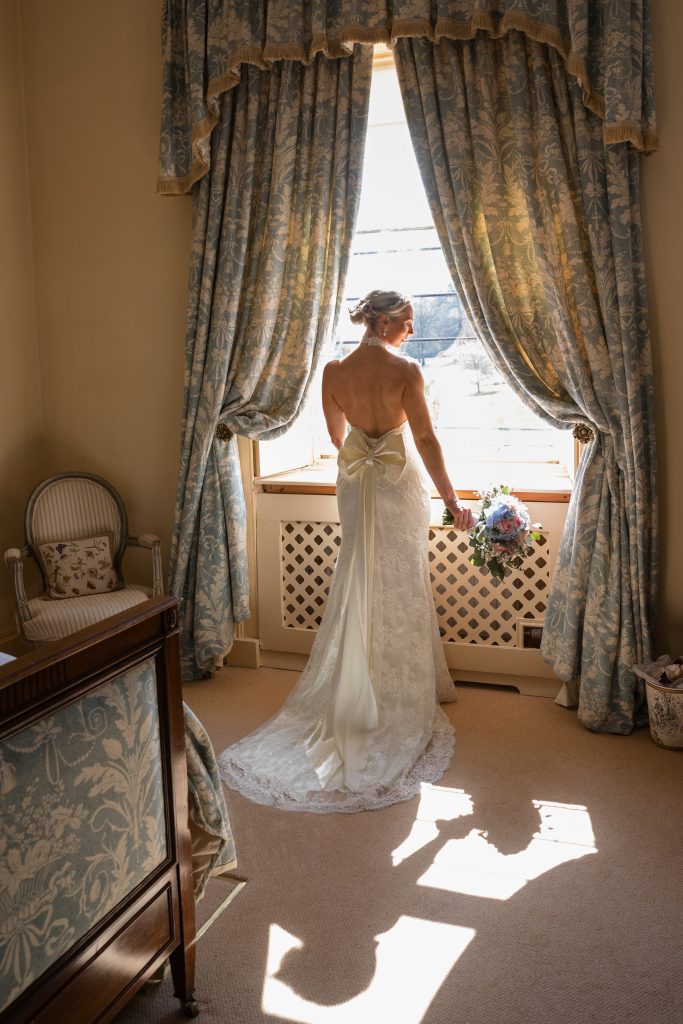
point(334, 414)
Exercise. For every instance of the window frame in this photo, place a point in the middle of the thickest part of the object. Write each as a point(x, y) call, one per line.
point(310, 477)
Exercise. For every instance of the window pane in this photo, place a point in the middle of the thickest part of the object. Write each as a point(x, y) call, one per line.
point(478, 417)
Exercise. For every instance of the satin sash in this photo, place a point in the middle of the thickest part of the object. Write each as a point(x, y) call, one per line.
point(343, 736)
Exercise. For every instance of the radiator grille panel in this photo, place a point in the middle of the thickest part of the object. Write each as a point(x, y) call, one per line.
point(309, 554)
point(471, 606)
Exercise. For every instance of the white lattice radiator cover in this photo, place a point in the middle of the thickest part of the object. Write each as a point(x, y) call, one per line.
point(482, 620)
point(472, 607)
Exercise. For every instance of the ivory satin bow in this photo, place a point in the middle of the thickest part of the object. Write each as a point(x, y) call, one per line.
point(386, 456)
point(342, 738)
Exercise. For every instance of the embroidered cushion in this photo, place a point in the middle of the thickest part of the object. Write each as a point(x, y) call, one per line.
point(76, 568)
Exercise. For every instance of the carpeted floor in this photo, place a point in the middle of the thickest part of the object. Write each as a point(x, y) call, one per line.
point(538, 883)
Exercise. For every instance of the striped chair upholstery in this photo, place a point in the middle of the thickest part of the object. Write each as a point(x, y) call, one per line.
point(51, 620)
point(69, 508)
point(72, 507)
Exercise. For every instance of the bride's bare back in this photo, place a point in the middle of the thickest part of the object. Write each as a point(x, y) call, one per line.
point(368, 387)
point(375, 389)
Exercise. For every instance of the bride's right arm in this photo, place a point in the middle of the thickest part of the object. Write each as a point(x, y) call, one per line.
point(427, 444)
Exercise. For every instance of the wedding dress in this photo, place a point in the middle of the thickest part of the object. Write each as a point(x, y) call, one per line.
point(362, 728)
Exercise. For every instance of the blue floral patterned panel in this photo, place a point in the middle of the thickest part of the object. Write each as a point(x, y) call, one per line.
point(207, 804)
point(81, 821)
point(605, 44)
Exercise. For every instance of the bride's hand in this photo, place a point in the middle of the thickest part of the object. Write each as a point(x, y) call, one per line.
point(463, 519)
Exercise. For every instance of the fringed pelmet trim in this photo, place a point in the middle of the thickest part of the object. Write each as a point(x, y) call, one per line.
point(341, 45)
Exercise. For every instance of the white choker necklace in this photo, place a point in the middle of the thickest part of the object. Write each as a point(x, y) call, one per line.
point(373, 341)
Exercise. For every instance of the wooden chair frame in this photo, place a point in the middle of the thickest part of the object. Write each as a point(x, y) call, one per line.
point(14, 556)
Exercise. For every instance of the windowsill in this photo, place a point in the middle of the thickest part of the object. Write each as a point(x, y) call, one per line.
point(541, 482)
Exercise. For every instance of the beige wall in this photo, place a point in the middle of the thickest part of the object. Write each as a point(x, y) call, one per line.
point(111, 265)
point(662, 207)
point(21, 461)
point(111, 257)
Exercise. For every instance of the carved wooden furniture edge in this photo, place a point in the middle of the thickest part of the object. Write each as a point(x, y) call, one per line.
point(155, 619)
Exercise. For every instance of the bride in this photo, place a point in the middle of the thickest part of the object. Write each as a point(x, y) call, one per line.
point(362, 728)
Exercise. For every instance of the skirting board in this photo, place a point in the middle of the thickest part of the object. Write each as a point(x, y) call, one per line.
point(530, 686)
point(244, 653)
point(283, 659)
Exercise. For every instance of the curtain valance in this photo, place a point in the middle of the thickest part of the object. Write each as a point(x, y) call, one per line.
point(605, 44)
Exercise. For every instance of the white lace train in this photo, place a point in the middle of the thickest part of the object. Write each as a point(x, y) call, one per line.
point(361, 729)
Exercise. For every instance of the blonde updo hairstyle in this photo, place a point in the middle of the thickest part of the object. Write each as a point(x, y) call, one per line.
point(378, 303)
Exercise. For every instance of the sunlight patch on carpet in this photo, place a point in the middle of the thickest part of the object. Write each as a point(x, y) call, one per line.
point(413, 960)
point(474, 867)
point(437, 803)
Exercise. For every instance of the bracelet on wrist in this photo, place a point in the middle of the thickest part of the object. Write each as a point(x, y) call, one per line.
point(452, 508)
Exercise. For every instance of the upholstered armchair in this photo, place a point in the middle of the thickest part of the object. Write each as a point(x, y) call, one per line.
point(76, 532)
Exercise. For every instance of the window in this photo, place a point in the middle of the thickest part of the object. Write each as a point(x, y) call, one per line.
point(486, 431)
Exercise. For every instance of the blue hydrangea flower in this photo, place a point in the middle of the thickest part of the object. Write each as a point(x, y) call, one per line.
point(505, 521)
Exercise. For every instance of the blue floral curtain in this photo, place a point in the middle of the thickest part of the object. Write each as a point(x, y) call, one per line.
point(263, 117)
point(272, 229)
point(604, 44)
point(539, 221)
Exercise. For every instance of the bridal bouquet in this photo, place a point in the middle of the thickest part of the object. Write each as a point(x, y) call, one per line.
point(503, 535)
